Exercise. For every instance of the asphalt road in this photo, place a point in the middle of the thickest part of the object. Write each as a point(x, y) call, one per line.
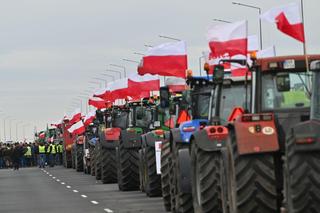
point(65, 190)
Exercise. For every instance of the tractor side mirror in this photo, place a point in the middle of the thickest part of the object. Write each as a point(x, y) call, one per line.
point(283, 82)
point(164, 97)
point(315, 66)
point(218, 74)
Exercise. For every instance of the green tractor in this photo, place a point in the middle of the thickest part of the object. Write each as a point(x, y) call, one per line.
point(150, 152)
point(130, 144)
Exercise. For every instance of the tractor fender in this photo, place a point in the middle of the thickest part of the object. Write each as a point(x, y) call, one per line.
point(109, 137)
point(208, 143)
point(130, 139)
point(306, 136)
point(185, 170)
point(151, 139)
point(256, 137)
point(175, 135)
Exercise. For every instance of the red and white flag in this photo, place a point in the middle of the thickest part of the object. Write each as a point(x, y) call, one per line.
point(175, 84)
point(168, 59)
point(288, 20)
point(98, 103)
point(89, 118)
point(77, 128)
point(75, 116)
point(228, 39)
point(118, 89)
point(146, 82)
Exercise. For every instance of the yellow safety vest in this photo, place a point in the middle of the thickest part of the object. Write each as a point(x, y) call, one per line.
point(42, 149)
point(53, 149)
point(60, 148)
point(28, 153)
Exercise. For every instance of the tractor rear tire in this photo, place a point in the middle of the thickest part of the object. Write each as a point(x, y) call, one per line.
point(92, 161)
point(152, 180)
point(108, 165)
point(141, 171)
point(97, 161)
point(182, 201)
point(128, 180)
point(79, 158)
point(302, 183)
point(206, 180)
point(165, 175)
point(252, 181)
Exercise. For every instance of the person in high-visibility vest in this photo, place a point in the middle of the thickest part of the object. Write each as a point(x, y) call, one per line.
point(28, 155)
point(52, 154)
point(59, 153)
point(42, 155)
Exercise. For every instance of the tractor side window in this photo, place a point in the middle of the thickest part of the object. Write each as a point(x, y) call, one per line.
point(295, 96)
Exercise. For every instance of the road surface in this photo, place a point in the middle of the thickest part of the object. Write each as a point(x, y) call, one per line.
point(64, 190)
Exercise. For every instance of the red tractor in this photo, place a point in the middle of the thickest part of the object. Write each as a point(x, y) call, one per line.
point(68, 140)
point(255, 161)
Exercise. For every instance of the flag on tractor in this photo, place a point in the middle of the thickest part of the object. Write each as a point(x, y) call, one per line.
point(168, 59)
point(288, 20)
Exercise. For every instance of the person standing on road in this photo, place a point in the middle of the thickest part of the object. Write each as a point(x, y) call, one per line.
point(17, 153)
point(59, 153)
point(28, 155)
point(42, 155)
point(52, 154)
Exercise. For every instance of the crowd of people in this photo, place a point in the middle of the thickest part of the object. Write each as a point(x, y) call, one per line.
point(16, 155)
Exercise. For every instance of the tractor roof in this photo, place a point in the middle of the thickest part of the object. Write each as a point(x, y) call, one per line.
point(296, 62)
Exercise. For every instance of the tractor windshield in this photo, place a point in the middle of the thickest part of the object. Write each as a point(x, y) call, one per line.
point(200, 105)
point(120, 119)
point(143, 116)
point(285, 90)
point(233, 95)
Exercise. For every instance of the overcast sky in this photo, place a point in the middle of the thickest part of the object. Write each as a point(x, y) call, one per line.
point(51, 49)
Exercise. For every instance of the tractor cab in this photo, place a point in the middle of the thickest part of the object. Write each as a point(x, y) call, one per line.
point(283, 87)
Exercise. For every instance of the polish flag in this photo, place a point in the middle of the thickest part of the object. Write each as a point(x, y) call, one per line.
point(42, 135)
point(175, 84)
point(77, 128)
point(288, 20)
point(119, 89)
point(98, 103)
point(75, 116)
point(228, 39)
point(137, 83)
point(168, 59)
point(89, 118)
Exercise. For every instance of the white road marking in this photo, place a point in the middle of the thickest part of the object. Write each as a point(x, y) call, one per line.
point(62, 183)
point(108, 210)
point(50, 175)
point(54, 177)
point(68, 187)
point(75, 191)
point(58, 180)
point(94, 202)
point(84, 196)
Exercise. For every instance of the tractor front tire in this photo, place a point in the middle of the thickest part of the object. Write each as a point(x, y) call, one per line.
point(108, 165)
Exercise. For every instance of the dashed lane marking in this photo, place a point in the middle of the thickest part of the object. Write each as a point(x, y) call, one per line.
point(108, 210)
point(68, 187)
point(50, 175)
point(54, 177)
point(84, 196)
point(75, 191)
point(58, 180)
point(94, 202)
point(62, 183)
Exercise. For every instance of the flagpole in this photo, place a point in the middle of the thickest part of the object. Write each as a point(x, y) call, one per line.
point(305, 40)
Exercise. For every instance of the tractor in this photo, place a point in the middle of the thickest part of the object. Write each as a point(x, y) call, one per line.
point(68, 140)
point(90, 139)
point(130, 143)
point(77, 153)
point(150, 152)
point(115, 120)
point(260, 164)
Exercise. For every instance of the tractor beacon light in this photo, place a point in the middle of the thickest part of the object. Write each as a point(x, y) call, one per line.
point(189, 73)
point(206, 67)
point(253, 55)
